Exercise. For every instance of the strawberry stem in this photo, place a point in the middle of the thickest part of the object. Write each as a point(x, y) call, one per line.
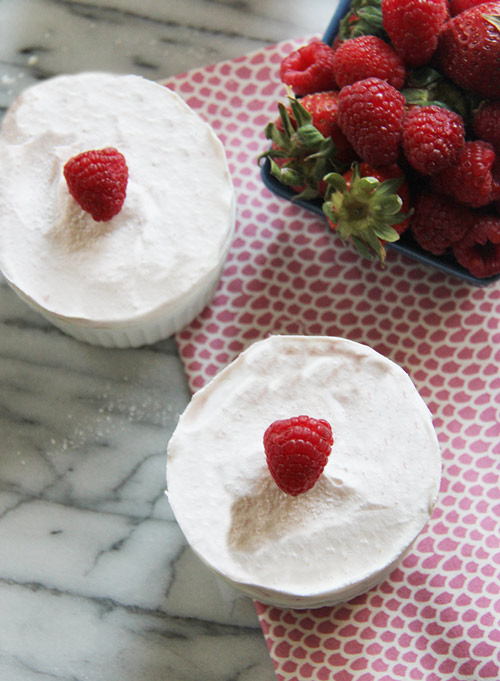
point(306, 155)
point(364, 210)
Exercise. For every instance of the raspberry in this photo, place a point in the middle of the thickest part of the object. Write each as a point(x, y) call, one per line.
point(432, 138)
point(470, 179)
point(486, 124)
point(309, 69)
point(367, 56)
point(479, 250)
point(297, 450)
point(439, 221)
point(413, 27)
point(370, 114)
point(97, 180)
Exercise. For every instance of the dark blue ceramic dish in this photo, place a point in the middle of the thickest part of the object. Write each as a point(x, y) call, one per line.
point(406, 244)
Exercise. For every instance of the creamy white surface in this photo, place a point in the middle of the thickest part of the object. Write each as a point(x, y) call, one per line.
point(148, 610)
point(173, 228)
point(377, 491)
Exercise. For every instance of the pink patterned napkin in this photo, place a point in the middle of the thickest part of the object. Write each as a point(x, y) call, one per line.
point(437, 616)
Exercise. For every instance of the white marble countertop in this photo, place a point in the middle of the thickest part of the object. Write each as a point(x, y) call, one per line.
point(96, 582)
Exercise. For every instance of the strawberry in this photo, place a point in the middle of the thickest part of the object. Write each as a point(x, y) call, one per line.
point(305, 140)
point(432, 138)
point(309, 69)
point(367, 56)
point(426, 86)
point(439, 221)
point(297, 450)
point(370, 114)
point(364, 17)
point(413, 27)
point(471, 179)
point(368, 206)
point(469, 49)
point(479, 249)
point(457, 6)
point(486, 123)
point(323, 108)
point(97, 180)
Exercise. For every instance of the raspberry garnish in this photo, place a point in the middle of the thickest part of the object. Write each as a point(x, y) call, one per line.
point(297, 450)
point(97, 180)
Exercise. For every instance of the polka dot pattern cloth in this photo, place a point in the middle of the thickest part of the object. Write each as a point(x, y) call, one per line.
point(438, 615)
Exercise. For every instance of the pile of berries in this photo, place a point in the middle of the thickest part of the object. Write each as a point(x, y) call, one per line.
point(396, 126)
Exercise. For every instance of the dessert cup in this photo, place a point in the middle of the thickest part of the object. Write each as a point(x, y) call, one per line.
point(147, 272)
point(375, 495)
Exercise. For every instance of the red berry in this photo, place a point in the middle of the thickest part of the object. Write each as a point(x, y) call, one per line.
point(479, 250)
point(486, 124)
point(438, 222)
point(469, 49)
point(97, 180)
point(323, 109)
point(457, 6)
point(470, 179)
point(368, 206)
point(366, 56)
point(297, 450)
point(432, 138)
point(306, 143)
point(370, 114)
point(413, 27)
point(309, 69)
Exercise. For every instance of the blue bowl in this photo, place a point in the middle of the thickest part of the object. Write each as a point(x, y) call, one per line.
point(406, 243)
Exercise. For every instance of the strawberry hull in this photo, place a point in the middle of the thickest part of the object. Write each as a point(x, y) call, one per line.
point(406, 245)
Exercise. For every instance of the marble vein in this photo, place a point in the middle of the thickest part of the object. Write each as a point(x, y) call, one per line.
point(151, 645)
point(87, 538)
point(96, 580)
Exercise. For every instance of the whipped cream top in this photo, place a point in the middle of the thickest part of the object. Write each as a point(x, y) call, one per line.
point(174, 226)
point(376, 493)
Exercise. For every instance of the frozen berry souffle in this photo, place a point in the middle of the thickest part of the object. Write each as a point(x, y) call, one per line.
point(304, 470)
point(116, 207)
